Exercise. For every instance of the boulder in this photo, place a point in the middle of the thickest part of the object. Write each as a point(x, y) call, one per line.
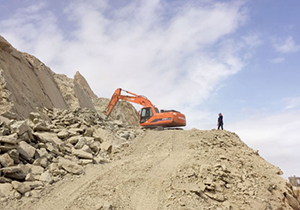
point(23, 187)
point(42, 152)
point(52, 149)
point(34, 115)
point(81, 142)
point(82, 154)
point(4, 180)
point(41, 126)
point(70, 166)
point(7, 147)
point(46, 177)
point(18, 172)
point(76, 130)
point(34, 169)
point(89, 132)
point(87, 149)
point(73, 139)
point(26, 150)
point(46, 137)
point(20, 127)
point(63, 134)
point(43, 161)
point(6, 160)
point(95, 146)
point(85, 161)
point(32, 177)
point(14, 154)
point(11, 139)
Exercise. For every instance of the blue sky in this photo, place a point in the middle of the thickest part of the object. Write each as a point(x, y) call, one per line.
point(201, 57)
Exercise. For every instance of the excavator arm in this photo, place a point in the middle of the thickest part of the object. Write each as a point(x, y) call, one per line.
point(134, 98)
point(149, 115)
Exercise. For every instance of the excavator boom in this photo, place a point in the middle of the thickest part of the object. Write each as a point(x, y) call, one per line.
point(134, 99)
point(149, 114)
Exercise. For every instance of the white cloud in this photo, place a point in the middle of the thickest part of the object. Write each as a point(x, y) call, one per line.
point(176, 56)
point(287, 46)
point(291, 103)
point(252, 40)
point(275, 136)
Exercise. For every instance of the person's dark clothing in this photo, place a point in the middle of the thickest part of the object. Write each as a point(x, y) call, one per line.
point(220, 122)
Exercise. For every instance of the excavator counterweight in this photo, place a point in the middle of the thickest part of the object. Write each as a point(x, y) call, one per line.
point(149, 116)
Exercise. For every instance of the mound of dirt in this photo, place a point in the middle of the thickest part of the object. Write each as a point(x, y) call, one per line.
point(190, 169)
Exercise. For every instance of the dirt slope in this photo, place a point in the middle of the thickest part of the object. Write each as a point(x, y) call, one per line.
point(190, 169)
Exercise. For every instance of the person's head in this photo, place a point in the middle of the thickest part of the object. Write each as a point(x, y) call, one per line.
point(220, 114)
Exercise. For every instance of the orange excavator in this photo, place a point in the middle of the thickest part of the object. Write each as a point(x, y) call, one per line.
point(149, 116)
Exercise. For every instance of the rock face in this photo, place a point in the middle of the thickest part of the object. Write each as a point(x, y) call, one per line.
point(73, 94)
point(27, 84)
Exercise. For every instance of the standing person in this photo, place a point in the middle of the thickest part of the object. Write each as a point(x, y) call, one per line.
point(220, 121)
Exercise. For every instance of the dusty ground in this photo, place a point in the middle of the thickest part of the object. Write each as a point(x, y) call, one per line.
point(171, 170)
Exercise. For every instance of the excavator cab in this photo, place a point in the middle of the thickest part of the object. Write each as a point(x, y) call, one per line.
point(147, 113)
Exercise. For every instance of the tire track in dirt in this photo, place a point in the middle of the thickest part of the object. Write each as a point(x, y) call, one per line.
point(157, 180)
point(135, 181)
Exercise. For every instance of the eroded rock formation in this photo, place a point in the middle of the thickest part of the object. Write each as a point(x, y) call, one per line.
point(27, 84)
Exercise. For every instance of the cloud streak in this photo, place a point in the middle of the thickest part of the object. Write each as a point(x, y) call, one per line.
point(291, 103)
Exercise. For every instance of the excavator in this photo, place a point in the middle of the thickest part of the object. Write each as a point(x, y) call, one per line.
point(149, 116)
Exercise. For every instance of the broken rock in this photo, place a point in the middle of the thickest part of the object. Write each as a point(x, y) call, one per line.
point(20, 127)
point(18, 172)
point(81, 142)
point(26, 150)
point(6, 160)
point(82, 154)
point(11, 139)
point(63, 134)
point(70, 166)
point(23, 187)
point(14, 154)
point(46, 137)
point(46, 177)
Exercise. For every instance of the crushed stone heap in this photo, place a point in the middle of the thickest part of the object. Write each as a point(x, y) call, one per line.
point(36, 152)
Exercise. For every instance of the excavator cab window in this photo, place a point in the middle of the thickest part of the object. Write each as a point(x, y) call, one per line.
point(146, 114)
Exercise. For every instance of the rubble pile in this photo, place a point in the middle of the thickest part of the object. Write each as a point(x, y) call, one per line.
point(188, 169)
point(42, 149)
point(226, 172)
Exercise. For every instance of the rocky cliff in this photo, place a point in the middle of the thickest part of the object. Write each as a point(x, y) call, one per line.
point(27, 84)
